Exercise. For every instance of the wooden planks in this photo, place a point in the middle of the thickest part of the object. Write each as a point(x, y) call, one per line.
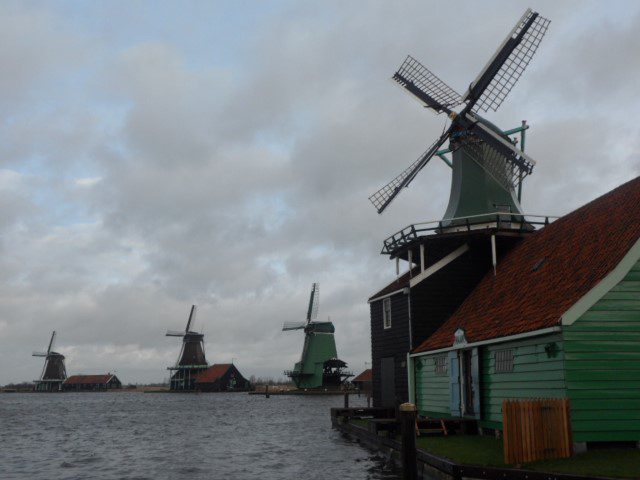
point(536, 429)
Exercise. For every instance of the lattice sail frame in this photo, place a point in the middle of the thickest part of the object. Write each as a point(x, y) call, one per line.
point(312, 312)
point(512, 69)
point(293, 326)
point(412, 71)
point(382, 197)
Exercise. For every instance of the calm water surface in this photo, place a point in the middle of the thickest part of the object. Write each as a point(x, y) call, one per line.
point(174, 436)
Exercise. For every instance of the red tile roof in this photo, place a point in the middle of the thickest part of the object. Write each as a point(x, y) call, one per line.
point(365, 376)
point(540, 279)
point(213, 373)
point(88, 379)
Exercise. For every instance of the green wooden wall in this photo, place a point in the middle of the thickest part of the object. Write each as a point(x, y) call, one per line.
point(537, 373)
point(602, 360)
point(431, 389)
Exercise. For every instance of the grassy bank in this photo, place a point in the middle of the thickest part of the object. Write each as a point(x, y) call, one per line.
point(487, 451)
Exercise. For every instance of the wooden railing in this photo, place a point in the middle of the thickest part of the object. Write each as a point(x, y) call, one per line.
point(536, 429)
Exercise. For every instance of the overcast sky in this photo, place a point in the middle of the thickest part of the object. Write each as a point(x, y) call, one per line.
point(159, 154)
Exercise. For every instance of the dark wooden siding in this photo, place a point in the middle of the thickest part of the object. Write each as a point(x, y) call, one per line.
point(436, 298)
point(391, 342)
point(433, 301)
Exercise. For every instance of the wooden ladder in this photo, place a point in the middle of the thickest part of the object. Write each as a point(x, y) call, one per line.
point(430, 426)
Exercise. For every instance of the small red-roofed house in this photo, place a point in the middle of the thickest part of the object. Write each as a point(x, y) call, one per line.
point(77, 383)
point(222, 377)
point(363, 381)
point(560, 318)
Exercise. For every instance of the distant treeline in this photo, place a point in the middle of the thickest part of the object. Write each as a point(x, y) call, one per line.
point(269, 381)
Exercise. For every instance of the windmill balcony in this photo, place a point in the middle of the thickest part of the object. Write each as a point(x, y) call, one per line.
point(295, 373)
point(487, 222)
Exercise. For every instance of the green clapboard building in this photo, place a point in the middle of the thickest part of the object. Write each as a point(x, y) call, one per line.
point(560, 317)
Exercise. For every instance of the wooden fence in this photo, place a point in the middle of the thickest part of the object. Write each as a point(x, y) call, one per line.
point(536, 429)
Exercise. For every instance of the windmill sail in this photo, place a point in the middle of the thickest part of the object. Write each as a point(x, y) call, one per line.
point(312, 311)
point(53, 337)
point(386, 194)
point(293, 326)
point(426, 86)
point(502, 72)
point(192, 317)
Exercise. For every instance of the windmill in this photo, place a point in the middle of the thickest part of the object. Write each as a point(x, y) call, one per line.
point(53, 372)
point(318, 366)
point(191, 360)
point(487, 166)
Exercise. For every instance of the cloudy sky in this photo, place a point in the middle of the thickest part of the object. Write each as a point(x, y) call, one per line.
point(159, 154)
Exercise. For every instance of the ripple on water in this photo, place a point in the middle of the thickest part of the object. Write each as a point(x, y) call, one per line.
point(144, 436)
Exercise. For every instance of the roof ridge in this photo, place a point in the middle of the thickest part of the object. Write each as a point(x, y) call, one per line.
point(584, 245)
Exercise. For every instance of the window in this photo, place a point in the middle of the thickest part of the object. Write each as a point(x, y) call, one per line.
point(504, 360)
point(386, 312)
point(441, 365)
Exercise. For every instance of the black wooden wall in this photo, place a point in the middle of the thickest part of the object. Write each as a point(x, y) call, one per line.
point(436, 298)
point(432, 302)
point(392, 342)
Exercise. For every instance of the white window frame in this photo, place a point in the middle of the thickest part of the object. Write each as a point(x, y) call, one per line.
point(504, 360)
point(386, 313)
point(441, 365)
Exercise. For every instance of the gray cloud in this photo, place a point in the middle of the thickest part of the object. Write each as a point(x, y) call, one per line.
point(155, 175)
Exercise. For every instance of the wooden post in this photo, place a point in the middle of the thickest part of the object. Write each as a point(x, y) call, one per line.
point(346, 400)
point(408, 424)
point(266, 391)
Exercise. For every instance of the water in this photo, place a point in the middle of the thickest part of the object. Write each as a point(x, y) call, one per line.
point(178, 436)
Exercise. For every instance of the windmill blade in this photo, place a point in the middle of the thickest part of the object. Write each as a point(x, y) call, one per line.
point(383, 197)
point(521, 160)
point(293, 326)
point(312, 311)
point(53, 337)
point(499, 76)
point(426, 86)
point(192, 317)
point(174, 333)
point(39, 354)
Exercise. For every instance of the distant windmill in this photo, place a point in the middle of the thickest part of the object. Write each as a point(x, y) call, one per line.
point(53, 372)
point(319, 365)
point(191, 360)
point(487, 166)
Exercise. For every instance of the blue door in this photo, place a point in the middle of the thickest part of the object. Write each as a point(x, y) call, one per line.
point(454, 384)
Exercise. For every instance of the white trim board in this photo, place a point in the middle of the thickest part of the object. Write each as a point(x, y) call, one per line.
point(607, 283)
point(518, 336)
point(390, 294)
point(443, 262)
point(411, 380)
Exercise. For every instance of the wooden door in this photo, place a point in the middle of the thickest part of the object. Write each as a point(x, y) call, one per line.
point(470, 382)
point(388, 382)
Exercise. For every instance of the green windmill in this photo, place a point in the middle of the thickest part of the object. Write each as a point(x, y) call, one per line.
point(488, 169)
point(319, 365)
